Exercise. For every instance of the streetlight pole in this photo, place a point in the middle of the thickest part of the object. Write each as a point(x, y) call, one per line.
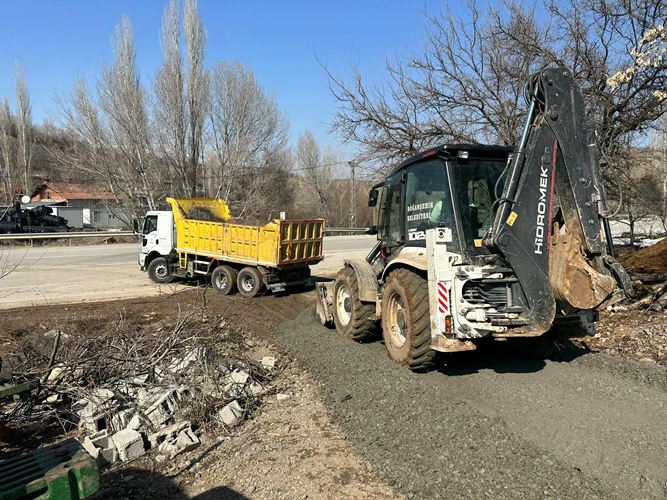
point(353, 196)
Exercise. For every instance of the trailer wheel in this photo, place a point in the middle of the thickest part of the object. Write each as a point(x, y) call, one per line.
point(249, 282)
point(352, 317)
point(406, 323)
point(158, 270)
point(223, 279)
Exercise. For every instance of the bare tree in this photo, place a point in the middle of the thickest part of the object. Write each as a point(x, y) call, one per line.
point(121, 98)
point(248, 139)
point(197, 89)
point(7, 151)
point(24, 133)
point(110, 135)
point(181, 94)
point(467, 85)
point(170, 108)
point(317, 170)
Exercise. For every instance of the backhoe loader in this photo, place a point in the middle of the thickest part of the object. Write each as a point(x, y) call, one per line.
point(486, 242)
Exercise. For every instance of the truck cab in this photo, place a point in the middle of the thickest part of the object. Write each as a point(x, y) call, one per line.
point(157, 238)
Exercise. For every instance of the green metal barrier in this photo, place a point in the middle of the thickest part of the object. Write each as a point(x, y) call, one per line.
point(60, 472)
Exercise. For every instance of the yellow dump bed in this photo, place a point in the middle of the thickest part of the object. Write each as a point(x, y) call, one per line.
point(276, 244)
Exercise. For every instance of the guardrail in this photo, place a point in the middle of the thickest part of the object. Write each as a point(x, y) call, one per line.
point(108, 234)
point(345, 230)
point(64, 235)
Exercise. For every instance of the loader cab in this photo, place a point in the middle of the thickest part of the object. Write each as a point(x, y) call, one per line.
point(451, 187)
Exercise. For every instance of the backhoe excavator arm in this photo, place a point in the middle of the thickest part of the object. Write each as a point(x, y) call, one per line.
point(550, 223)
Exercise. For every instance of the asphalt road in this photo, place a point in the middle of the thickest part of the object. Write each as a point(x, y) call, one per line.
point(69, 274)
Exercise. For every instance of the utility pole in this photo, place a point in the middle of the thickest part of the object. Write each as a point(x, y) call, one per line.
point(353, 197)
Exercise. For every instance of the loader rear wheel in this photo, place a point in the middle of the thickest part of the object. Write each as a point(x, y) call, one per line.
point(249, 282)
point(406, 323)
point(223, 279)
point(158, 271)
point(352, 317)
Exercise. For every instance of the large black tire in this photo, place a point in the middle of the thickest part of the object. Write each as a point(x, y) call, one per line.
point(406, 323)
point(353, 318)
point(158, 271)
point(223, 279)
point(249, 282)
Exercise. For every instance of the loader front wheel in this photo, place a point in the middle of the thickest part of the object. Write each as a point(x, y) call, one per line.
point(158, 271)
point(406, 323)
point(223, 279)
point(249, 282)
point(352, 317)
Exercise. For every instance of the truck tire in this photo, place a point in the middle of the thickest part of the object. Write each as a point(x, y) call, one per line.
point(353, 318)
point(406, 322)
point(158, 271)
point(223, 279)
point(249, 282)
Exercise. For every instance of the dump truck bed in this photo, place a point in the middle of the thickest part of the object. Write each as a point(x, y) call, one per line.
point(277, 244)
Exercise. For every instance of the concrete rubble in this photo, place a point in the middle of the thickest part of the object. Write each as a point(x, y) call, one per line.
point(231, 414)
point(142, 415)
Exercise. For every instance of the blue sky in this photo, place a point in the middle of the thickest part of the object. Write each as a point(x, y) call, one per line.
point(54, 41)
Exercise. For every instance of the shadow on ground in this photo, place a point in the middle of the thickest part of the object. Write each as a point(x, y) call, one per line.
point(140, 484)
point(511, 356)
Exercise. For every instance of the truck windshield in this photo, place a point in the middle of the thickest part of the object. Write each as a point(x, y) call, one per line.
point(473, 183)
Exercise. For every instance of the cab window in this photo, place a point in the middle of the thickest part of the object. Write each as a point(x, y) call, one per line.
point(391, 226)
point(428, 201)
point(150, 224)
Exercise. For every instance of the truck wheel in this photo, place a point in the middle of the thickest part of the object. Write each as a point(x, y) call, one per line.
point(158, 270)
point(223, 279)
point(406, 322)
point(353, 318)
point(249, 282)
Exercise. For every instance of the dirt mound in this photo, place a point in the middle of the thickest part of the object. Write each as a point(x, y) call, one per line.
point(652, 259)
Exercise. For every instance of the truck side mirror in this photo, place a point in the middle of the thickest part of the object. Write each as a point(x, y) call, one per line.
point(135, 225)
point(373, 197)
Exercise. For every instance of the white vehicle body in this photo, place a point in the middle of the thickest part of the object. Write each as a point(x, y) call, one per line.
point(157, 236)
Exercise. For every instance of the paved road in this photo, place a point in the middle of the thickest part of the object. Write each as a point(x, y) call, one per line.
point(57, 275)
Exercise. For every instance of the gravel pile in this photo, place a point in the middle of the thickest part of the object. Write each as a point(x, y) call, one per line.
point(420, 442)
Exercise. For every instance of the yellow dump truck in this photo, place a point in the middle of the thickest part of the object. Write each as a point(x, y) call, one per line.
point(199, 237)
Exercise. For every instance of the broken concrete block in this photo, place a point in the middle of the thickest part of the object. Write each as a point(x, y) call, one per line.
point(101, 439)
point(129, 443)
point(239, 377)
point(255, 389)
point(269, 362)
point(136, 422)
point(162, 409)
point(92, 450)
point(167, 434)
point(282, 397)
point(231, 414)
point(187, 440)
point(107, 455)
